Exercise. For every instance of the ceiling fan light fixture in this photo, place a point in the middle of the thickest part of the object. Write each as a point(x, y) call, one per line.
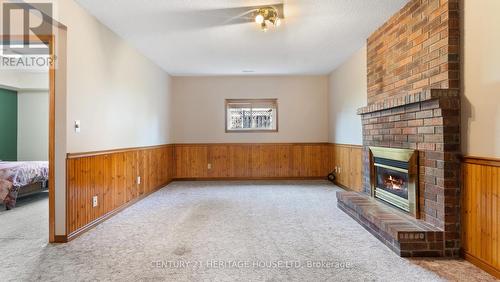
point(267, 16)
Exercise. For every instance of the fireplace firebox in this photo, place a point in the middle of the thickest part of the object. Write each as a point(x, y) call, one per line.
point(394, 174)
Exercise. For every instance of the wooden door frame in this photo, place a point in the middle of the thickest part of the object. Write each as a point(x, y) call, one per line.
point(50, 40)
point(52, 141)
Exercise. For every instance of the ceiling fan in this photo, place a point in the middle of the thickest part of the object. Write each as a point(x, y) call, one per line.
point(265, 16)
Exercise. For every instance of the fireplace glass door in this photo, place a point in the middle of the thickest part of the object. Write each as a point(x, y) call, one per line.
point(394, 177)
point(392, 181)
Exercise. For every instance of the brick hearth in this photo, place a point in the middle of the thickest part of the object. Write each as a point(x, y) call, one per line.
point(403, 234)
point(414, 103)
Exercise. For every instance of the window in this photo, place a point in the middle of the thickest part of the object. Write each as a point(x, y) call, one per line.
point(251, 115)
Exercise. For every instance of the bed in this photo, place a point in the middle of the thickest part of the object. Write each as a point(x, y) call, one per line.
point(20, 178)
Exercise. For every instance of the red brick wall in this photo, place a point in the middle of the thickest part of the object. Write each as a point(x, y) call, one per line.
point(414, 103)
point(417, 49)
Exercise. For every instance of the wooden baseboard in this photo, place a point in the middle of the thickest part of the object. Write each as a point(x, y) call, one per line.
point(60, 239)
point(89, 226)
point(249, 178)
point(483, 265)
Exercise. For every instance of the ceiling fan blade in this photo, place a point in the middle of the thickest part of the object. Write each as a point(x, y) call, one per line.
point(242, 18)
point(207, 18)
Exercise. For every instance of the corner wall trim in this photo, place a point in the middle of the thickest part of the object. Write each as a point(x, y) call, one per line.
point(481, 161)
point(113, 151)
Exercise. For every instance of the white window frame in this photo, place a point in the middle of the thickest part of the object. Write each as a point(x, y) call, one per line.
point(272, 101)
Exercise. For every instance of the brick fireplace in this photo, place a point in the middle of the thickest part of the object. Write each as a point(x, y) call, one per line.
point(414, 103)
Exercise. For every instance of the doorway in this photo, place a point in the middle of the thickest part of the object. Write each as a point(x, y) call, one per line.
point(27, 171)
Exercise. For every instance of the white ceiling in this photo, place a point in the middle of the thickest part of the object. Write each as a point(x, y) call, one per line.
point(195, 37)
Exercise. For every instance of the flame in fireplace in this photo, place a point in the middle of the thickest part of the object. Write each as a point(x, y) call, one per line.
point(394, 183)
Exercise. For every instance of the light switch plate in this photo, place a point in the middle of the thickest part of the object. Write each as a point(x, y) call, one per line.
point(77, 126)
point(94, 202)
point(209, 166)
point(138, 180)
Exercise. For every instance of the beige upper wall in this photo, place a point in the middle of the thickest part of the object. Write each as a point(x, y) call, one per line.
point(347, 92)
point(121, 98)
point(199, 108)
point(481, 78)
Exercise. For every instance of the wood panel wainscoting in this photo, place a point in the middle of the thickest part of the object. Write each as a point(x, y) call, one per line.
point(481, 213)
point(251, 161)
point(112, 175)
point(347, 162)
point(270, 161)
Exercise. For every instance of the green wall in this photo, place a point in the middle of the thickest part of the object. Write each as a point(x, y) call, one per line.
point(8, 125)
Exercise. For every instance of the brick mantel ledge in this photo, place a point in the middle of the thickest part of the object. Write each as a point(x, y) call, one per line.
point(407, 99)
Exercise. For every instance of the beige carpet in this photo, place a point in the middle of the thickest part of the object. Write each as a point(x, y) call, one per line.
point(217, 231)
